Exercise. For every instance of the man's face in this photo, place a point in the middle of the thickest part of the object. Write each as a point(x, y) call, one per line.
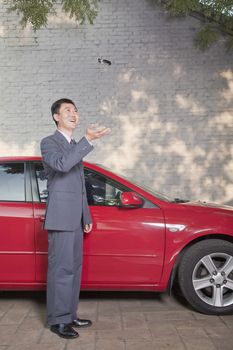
point(67, 117)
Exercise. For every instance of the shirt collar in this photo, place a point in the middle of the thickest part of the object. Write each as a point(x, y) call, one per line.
point(68, 138)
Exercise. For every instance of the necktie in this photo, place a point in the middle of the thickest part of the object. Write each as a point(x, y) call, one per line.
point(72, 142)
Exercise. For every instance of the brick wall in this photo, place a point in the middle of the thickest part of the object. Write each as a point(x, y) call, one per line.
point(169, 105)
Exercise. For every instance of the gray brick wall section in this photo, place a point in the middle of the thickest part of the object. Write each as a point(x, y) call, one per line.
point(169, 105)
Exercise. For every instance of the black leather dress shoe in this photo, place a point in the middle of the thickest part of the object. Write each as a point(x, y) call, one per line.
point(81, 323)
point(64, 331)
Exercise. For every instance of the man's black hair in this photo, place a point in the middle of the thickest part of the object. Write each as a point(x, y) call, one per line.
point(55, 108)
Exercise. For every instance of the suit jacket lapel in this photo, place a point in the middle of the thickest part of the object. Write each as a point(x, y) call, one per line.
point(62, 140)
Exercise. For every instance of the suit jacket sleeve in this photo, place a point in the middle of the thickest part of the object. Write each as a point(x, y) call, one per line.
point(58, 161)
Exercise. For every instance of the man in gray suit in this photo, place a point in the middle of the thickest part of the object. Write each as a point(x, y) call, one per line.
point(67, 216)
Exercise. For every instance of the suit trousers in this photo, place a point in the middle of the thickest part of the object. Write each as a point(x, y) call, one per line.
point(65, 254)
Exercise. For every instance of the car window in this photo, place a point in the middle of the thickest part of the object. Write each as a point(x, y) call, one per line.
point(157, 194)
point(102, 190)
point(41, 181)
point(12, 182)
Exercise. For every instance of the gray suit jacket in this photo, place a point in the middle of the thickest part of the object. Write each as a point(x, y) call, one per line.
point(67, 205)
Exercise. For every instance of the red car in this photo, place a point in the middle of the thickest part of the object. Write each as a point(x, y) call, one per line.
point(141, 240)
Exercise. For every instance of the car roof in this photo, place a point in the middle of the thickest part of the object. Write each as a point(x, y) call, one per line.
point(26, 158)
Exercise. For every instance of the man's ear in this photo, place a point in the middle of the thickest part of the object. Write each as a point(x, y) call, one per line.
point(56, 117)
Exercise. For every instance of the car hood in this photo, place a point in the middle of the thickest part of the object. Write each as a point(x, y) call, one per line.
point(210, 205)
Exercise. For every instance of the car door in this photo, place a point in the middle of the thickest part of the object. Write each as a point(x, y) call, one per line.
point(17, 245)
point(126, 246)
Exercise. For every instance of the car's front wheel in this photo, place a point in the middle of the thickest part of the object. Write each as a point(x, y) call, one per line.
point(206, 276)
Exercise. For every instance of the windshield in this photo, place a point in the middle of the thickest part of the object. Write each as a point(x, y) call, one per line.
point(158, 195)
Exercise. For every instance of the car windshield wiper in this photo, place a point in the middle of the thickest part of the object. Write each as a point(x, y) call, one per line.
point(179, 200)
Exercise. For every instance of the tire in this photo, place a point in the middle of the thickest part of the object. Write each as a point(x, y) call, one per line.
point(205, 276)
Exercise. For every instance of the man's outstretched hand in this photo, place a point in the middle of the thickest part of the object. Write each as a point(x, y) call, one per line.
point(95, 132)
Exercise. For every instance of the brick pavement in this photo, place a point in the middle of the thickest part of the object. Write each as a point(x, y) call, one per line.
point(122, 321)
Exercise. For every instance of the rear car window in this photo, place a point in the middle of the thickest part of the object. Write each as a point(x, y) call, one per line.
point(12, 187)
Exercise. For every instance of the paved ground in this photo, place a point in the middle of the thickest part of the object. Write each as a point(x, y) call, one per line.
point(122, 321)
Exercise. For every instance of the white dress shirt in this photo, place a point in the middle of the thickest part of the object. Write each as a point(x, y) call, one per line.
point(68, 138)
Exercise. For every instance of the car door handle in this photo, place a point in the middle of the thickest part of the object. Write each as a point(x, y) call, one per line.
point(41, 218)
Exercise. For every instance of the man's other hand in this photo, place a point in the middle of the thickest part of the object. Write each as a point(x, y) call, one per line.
point(95, 132)
point(87, 228)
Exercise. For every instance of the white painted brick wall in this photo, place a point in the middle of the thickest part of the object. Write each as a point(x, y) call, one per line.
point(169, 105)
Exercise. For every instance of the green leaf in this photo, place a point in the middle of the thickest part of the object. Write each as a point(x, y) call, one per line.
point(217, 14)
point(81, 10)
point(33, 11)
point(36, 12)
point(181, 7)
point(206, 37)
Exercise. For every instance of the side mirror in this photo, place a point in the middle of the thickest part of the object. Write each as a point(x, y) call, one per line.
point(130, 200)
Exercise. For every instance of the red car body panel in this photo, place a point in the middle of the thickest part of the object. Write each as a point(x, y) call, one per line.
point(128, 249)
point(17, 245)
